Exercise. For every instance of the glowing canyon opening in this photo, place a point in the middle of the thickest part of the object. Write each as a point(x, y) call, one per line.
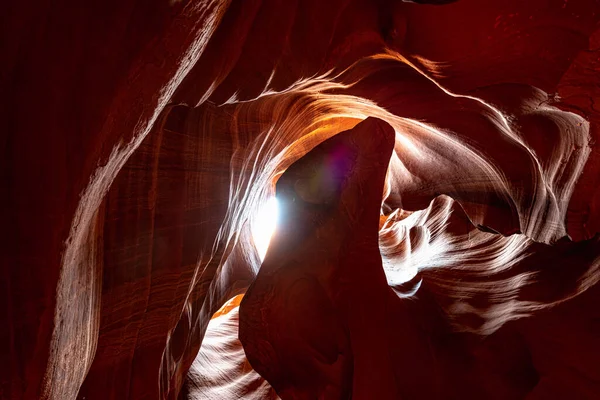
point(264, 199)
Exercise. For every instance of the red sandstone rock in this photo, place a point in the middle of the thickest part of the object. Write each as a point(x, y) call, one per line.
point(129, 189)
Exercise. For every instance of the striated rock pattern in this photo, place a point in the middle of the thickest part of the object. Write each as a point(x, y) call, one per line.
point(222, 359)
point(436, 164)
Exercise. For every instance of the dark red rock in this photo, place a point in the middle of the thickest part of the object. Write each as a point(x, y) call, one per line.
point(141, 138)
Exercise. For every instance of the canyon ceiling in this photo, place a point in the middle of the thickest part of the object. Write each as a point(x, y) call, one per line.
point(436, 165)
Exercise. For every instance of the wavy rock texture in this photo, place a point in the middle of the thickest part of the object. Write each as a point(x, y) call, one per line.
point(222, 359)
point(460, 220)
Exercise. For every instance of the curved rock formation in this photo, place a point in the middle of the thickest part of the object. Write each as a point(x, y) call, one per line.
point(444, 241)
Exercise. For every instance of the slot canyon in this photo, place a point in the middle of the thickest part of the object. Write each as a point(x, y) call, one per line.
point(427, 173)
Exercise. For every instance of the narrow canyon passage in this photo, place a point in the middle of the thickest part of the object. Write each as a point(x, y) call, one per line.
point(435, 169)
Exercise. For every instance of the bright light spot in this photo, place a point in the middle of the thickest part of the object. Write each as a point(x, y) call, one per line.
point(264, 226)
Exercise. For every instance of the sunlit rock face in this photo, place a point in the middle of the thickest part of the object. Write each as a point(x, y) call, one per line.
point(437, 170)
